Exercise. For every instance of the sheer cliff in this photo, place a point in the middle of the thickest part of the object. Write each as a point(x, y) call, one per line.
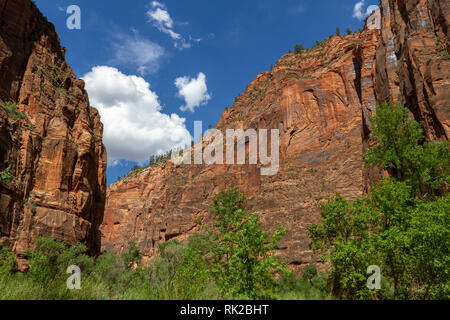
point(321, 101)
point(51, 139)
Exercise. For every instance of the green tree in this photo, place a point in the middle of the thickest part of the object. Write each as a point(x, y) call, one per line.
point(349, 31)
point(402, 226)
point(338, 31)
point(299, 48)
point(398, 148)
point(243, 256)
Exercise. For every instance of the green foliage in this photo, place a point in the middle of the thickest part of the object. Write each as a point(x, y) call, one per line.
point(310, 285)
point(349, 31)
point(299, 48)
point(13, 113)
point(7, 262)
point(132, 258)
point(160, 159)
point(194, 279)
point(243, 260)
point(397, 148)
point(5, 176)
point(232, 260)
point(62, 117)
point(444, 55)
point(402, 227)
point(338, 31)
point(50, 259)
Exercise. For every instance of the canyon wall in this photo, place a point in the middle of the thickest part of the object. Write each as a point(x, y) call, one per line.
point(321, 101)
point(52, 142)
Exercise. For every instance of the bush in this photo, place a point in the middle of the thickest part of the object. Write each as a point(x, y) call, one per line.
point(7, 262)
point(310, 285)
point(5, 176)
point(299, 48)
point(11, 109)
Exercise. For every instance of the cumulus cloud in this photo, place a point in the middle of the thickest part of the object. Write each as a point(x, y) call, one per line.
point(358, 10)
point(161, 19)
point(134, 126)
point(135, 51)
point(193, 90)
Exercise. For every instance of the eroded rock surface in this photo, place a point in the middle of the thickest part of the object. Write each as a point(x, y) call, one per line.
point(54, 148)
point(320, 101)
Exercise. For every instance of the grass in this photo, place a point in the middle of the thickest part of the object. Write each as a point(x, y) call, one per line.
point(123, 277)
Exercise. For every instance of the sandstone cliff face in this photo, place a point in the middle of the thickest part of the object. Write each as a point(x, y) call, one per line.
point(412, 61)
point(320, 101)
point(55, 151)
point(315, 100)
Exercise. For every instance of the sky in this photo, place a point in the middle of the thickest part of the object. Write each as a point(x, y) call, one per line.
point(152, 68)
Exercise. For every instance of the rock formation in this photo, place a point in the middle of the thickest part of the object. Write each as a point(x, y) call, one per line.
point(50, 138)
point(320, 100)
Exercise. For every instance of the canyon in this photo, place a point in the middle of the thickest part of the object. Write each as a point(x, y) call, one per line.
point(320, 100)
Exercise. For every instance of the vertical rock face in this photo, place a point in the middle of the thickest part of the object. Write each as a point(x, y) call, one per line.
point(52, 142)
point(315, 100)
point(320, 100)
point(413, 61)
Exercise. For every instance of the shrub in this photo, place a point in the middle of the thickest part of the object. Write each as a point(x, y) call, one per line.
point(11, 109)
point(5, 176)
point(7, 262)
point(299, 48)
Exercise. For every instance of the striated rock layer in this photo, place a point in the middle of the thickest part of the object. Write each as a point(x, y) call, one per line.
point(320, 100)
point(55, 149)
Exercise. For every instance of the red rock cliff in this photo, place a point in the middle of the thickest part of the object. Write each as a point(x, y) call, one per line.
point(52, 143)
point(320, 101)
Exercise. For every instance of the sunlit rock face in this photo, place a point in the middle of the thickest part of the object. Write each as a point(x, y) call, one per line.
point(411, 64)
point(374, 20)
point(55, 152)
point(320, 101)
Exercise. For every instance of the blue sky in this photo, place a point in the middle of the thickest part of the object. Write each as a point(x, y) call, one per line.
point(163, 65)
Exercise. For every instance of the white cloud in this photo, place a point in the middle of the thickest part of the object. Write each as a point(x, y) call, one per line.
point(134, 126)
point(162, 20)
point(358, 10)
point(135, 51)
point(194, 91)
